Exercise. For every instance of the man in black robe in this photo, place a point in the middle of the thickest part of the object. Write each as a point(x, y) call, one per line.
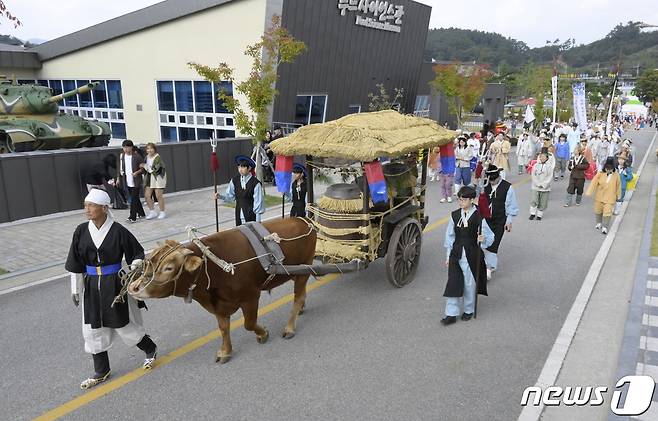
point(467, 232)
point(504, 207)
point(94, 260)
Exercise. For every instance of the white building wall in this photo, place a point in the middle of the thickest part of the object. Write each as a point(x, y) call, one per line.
point(220, 34)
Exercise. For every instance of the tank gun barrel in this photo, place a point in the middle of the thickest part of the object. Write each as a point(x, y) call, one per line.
point(81, 90)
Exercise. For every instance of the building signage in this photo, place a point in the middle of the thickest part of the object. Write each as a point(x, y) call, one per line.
point(374, 14)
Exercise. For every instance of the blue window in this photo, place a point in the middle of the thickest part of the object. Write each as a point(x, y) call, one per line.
point(114, 97)
point(166, 97)
point(100, 95)
point(71, 101)
point(168, 134)
point(56, 87)
point(118, 130)
point(186, 133)
point(42, 82)
point(184, 96)
point(203, 97)
point(85, 99)
point(227, 87)
point(204, 134)
point(223, 134)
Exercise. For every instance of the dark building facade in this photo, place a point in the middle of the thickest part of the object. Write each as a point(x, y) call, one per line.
point(346, 57)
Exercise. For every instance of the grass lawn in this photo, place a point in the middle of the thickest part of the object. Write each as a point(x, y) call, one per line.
point(2, 271)
point(270, 201)
point(654, 232)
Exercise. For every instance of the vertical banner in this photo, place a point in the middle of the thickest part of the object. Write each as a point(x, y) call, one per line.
point(283, 173)
point(554, 91)
point(580, 105)
point(376, 181)
point(608, 120)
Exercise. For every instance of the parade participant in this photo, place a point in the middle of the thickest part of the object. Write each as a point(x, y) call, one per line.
point(625, 172)
point(433, 164)
point(504, 207)
point(447, 172)
point(499, 154)
point(298, 191)
point(542, 172)
point(131, 177)
point(246, 191)
point(94, 261)
point(607, 186)
point(474, 143)
point(463, 155)
point(578, 164)
point(466, 232)
point(561, 156)
point(155, 181)
point(602, 153)
point(524, 152)
point(572, 137)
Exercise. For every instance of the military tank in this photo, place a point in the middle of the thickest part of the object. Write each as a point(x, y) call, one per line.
point(30, 120)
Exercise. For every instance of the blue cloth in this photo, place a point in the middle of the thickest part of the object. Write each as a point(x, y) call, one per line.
point(562, 150)
point(453, 304)
point(511, 205)
point(104, 270)
point(625, 176)
point(259, 205)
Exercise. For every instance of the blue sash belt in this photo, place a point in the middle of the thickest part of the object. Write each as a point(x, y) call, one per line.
point(104, 270)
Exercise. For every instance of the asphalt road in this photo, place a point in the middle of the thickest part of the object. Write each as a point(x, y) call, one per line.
point(363, 350)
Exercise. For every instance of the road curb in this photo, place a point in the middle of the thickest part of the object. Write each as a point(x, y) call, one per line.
point(558, 353)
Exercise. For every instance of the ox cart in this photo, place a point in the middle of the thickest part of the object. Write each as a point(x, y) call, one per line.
point(385, 152)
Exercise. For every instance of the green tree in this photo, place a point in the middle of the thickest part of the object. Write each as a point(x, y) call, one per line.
point(646, 86)
point(276, 47)
point(462, 85)
point(382, 100)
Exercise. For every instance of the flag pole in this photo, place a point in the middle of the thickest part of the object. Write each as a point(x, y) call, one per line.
point(283, 206)
point(213, 167)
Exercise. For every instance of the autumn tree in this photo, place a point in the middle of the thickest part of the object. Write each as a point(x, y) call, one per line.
point(382, 99)
point(276, 47)
point(462, 85)
point(4, 12)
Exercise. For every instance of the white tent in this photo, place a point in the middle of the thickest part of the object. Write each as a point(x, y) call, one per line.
point(634, 107)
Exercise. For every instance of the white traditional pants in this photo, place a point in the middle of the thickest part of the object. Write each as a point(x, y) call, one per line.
point(102, 339)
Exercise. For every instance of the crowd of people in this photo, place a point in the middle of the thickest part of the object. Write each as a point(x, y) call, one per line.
point(478, 163)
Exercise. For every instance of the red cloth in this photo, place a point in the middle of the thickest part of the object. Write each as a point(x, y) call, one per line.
point(483, 206)
point(530, 166)
point(478, 170)
point(591, 171)
point(214, 163)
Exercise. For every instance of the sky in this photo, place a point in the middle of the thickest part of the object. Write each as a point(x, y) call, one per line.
point(531, 22)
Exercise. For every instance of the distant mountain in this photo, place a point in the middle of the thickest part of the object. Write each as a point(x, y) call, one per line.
point(11, 40)
point(639, 50)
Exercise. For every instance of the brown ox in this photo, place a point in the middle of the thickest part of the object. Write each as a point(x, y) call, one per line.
point(172, 269)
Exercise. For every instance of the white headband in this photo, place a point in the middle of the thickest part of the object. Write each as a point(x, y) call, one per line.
point(98, 197)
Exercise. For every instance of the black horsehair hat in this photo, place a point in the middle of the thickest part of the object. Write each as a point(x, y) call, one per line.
point(492, 169)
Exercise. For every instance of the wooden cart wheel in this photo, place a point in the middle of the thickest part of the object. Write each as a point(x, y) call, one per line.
point(6, 145)
point(403, 252)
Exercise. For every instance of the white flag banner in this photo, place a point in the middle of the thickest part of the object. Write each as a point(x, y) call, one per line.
point(529, 116)
point(554, 91)
point(580, 105)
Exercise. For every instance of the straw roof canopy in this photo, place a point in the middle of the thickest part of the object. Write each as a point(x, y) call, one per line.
point(365, 137)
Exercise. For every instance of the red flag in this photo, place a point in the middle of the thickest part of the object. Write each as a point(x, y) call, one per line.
point(214, 163)
point(483, 206)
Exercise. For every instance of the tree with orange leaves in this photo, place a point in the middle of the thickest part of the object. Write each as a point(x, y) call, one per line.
point(462, 84)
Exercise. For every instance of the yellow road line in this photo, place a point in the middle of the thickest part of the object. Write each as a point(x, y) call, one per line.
point(119, 382)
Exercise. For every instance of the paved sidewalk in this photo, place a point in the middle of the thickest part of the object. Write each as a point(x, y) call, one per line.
point(41, 244)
